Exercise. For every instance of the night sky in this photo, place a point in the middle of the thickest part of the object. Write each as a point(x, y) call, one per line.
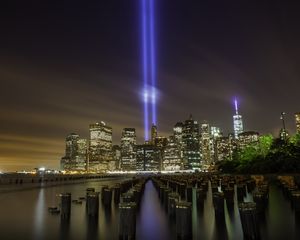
point(65, 64)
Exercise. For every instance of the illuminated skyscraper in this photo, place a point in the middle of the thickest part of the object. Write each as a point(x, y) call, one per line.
point(147, 158)
point(177, 130)
point(128, 151)
point(153, 133)
point(75, 158)
point(237, 121)
point(215, 134)
point(223, 149)
point(205, 143)
point(171, 156)
point(297, 118)
point(117, 156)
point(100, 147)
point(190, 141)
point(81, 158)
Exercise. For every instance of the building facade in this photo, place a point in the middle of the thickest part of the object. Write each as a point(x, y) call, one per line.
point(223, 150)
point(190, 142)
point(205, 143)
point(171, 158)
point(100, 147)
point(247, 138)
point(75, 158)
point(147, 158)
point(237, 122)
point(128, 149)
point(116, 149)
point(215, 134)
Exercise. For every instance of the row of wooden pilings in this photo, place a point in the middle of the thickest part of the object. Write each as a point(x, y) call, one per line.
point(176, 195)
point(125, 195)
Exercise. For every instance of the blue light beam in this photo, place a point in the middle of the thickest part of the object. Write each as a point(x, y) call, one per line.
point(145, 69)
point(152, 61)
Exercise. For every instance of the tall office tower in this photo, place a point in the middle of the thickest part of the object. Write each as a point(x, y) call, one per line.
point(147, 158)
point(82, 154)
point(177, 130)
point(223, 149)
point(215, 134)
point(247, 138)
point(116, 149)
point(237, 121)
point(171, 160)
point(205, 143)
point(153, 133)
point(190, 142)
point(297, 118)
point(128, 152)
point(76, 154)
point(160, 143)
point(100, 147)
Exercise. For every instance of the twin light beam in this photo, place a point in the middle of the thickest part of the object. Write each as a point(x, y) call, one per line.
point(149, 71)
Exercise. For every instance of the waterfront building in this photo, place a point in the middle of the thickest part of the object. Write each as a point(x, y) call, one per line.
point(100, 147)
point(128, 151)
point(190, 142)
point(116, 149)
point(171, 159)
point(147, 158)
point(75, 158)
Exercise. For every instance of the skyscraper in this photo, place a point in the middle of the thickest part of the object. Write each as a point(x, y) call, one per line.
point(147, 158)
point(75, 158)
point(171, 157)
point(223, 149)
point(237, 121)
point(128, 151)
point(297, 118)
point(205, 143)
point(100, 147)
point(215, 134)
point(117, 156)
point(190, 141)
point(82, 151)
point(153, 133)
point(177, 131)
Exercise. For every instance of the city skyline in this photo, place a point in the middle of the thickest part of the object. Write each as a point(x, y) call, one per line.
point(64, 67)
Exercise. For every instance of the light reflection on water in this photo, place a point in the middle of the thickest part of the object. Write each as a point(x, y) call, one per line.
point(39, 214)
point(24, 215)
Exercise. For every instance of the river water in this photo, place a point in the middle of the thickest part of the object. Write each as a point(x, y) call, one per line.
point(24, 215)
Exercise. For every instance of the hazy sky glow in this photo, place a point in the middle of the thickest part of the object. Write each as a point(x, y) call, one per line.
point(65, 64)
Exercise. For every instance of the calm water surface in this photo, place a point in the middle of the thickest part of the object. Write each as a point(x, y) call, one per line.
point(24, 215)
